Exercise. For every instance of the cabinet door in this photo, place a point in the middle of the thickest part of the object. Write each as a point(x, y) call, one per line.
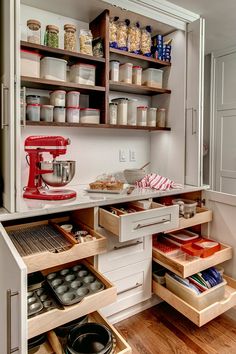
point(7, 134)
point(13, 298)
point(194, 103)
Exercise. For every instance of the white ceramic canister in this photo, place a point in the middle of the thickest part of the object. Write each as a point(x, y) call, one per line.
point(59, 114)
point(72, 115)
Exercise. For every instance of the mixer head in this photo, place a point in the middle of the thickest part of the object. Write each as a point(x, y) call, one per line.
point(55, 145)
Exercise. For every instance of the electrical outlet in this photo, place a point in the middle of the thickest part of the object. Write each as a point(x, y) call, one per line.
point(122, 155)
point(132, 155)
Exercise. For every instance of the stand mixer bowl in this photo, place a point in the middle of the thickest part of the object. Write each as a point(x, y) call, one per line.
point(63, 172)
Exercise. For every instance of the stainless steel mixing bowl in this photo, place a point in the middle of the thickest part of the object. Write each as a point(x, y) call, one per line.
point(63, 172)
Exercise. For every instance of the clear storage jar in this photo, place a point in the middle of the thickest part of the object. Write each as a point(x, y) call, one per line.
point(90, 115)
point(58, 98)
point(70, 37)
point(122, 110)
point(53, 69)
point(52, 36)
point(34, 31)
point(152, 77)
point(59, 114)
point(83, 74)
point(72, 115)
point(113, 113)
point(132, 112)
point(33, 99)
point(46, 114)
point(137, 75)
point(161, 118)
point(114, 70)
point(152, 117)
point(72, 99)
point(142, 115)
point(29, 63)
point(33, 112)
point(126, 73)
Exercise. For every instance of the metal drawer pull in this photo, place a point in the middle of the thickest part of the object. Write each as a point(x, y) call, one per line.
point(129, 245)
point(132, 288)
point(3, 90)
point(163, 221)
point(10, 294)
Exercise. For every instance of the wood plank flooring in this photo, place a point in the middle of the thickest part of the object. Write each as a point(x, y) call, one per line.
point(163, 330)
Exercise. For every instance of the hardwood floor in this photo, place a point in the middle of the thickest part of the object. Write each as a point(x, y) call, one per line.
point(162, 329)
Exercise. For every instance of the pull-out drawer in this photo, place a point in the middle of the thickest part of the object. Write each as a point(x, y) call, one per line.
point(185, 265)
point(129, 226)
point(203, 316)
point(48, 320)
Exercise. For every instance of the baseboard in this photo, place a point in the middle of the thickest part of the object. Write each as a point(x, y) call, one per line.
point(131, 311)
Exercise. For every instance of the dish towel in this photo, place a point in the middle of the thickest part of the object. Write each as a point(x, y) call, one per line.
point(156, 181)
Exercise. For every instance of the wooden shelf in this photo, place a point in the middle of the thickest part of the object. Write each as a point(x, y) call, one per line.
point(104, 126)
point(61, 53)
point(154, 62)
point(137, 89)
point(186, 265)
point(32, 82)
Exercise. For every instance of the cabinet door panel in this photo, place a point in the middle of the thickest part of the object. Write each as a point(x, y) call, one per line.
point(13, 298)
point(194, 106)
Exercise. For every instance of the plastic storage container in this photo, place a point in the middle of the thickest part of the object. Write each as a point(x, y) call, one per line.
point(33, 112)
point(72, 99)
point(152, 117)
point(90, 115)
point(137, 75)
point(122, 110)
point(58, 98)
point(53, 69)
point(59, 114)
point(46, 114)
point(142, 115)
point(72, 115)
point(70, 37)
point(132, 112)
point(152, 77)
point(161, 118)
point(187, 208)
point(32, 99)
point(30, 63)
point(126, 73)
point(200, 301)
point(83, 74)
point(113, 113)
point(34, 31)
point(85, 41)
point(114, 70)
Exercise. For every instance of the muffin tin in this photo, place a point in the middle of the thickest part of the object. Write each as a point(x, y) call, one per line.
point(71, 285)
point(40, 301)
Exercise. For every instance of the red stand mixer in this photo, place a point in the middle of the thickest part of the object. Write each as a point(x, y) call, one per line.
point(53, 173)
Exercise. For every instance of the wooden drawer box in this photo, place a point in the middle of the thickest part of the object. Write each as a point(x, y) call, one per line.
point(141, 223)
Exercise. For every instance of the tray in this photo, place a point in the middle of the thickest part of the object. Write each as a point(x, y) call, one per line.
point(106, 191)
point(73, 284)
point(40, 300)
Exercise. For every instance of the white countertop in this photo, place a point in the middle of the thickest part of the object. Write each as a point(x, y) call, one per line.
point(33, 207)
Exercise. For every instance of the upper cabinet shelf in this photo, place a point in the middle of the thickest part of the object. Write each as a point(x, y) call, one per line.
point(137, 89)
point(61, 53)
point(152, 61)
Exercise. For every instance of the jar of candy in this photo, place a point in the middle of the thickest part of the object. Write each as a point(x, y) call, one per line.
point(70, 37)
point(34, 31)
point(52, 36)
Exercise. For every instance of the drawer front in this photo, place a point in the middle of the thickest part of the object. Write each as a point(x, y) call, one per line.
point(142, 223)
point(133, 285)
point(121, 254)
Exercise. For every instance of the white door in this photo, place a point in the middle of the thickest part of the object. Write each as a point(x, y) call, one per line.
point(194, 103)
point(7, 43)
point(13, 298)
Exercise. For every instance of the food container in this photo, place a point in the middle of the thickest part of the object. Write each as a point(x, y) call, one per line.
point(72, 115)
point(122, 110)
point(113, 113)
point(187, 208)
point(32, 99)
point(142, 115)
point(85, 41)
point(59, 114)
point(122, 34)
point(58, 98)
point(152, 77)
point(53, 69)
point(46, 114)
point(114, 70)
point(52, 36)
point(183, 237)
point(98, 47)
point(34, 31)
point(90, 115)
point(70, 37)
point(199, 302)
point(146, 41)
point(161, 118)
point(152, 117)
point(132, 112)
point(137, 75)
point(134, 175)
point(33, 112)
point(159, 276)
point(30, 63)
point(113, 32)
point(72, 99)
point(83, 74)
point(126, 73)
point(134, 38)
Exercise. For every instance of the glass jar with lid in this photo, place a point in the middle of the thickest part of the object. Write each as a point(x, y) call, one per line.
point(52, 36)
point(34, 31)
point(70, 37)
